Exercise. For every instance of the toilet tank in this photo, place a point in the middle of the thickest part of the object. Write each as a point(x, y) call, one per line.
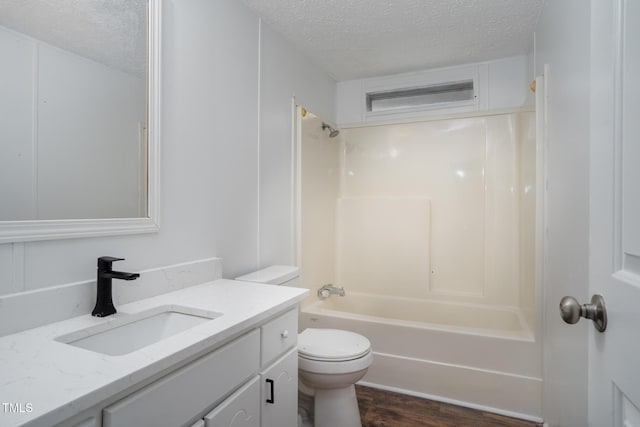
point(286, 275)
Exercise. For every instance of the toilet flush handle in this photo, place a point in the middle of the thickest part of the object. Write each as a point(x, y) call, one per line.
point(284, 334)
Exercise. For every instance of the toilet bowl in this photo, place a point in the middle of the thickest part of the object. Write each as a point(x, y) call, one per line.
point(330, 361)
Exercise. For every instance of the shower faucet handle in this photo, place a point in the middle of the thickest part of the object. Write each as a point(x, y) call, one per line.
point(325, 291)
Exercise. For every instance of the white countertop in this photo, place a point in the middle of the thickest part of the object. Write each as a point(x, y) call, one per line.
point(59, 380)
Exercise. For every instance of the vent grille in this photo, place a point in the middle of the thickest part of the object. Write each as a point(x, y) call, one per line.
point(414, 98)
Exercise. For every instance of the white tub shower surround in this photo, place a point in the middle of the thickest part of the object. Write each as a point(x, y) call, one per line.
point(431, 228)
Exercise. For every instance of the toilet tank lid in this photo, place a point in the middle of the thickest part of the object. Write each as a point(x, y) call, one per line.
point(274, 275)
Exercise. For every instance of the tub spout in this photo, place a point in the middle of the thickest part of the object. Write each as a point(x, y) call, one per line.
point(329, 289)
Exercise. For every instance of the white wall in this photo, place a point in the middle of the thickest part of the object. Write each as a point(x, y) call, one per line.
point(209, 152)
point(94, 112)
point(16, 125)
point(284, 73)
point(562, 41)
point(54, 103)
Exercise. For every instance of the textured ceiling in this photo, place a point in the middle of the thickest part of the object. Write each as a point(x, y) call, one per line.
point(112, 32)
point(363, 38)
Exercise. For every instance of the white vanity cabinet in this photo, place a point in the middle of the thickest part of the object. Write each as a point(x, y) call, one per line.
point(279, 375)
point(250, 382)
point(93, 421)
point(280, 392)
point(177, 398)
point(277, 336)
point(241, 409)
point(270, 399)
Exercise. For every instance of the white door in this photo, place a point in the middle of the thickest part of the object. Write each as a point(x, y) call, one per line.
point(614, 356)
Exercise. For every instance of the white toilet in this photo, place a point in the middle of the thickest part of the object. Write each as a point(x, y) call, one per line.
point(330, 361)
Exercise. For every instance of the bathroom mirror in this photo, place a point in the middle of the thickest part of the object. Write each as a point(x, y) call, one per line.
point(79, 118)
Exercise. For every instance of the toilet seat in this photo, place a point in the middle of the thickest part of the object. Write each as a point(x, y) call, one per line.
point(332, 345)
point(334, 368)
point(333, 351)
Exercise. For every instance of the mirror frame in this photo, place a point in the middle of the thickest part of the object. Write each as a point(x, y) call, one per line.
point(33, 230)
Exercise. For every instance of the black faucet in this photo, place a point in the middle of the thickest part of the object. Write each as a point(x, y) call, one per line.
point(104, 303)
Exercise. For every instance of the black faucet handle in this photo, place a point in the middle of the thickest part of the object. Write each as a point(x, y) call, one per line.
point(104, 262)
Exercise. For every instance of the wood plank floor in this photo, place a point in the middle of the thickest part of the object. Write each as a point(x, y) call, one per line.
point(380, 408)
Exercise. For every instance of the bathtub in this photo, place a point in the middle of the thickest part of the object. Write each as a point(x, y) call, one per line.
point(481, 357)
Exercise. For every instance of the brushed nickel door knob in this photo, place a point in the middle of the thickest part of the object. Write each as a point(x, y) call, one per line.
point(571, 311)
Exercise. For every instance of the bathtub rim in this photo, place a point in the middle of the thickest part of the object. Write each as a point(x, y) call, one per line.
point(524, 334)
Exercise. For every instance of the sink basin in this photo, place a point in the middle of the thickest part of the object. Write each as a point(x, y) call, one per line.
point(129, 333)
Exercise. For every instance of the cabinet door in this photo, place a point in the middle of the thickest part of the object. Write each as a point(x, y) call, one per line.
point(178, 397)
point(279, 335)
point(280, 392)
point(90, 418)
point(241, 409)
point(89, 422)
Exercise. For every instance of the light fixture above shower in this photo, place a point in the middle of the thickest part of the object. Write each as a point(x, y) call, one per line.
point(332, 132)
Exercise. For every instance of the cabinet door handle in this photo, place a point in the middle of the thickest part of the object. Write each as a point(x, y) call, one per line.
point(272, 399)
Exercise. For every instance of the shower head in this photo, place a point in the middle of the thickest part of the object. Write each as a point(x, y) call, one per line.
point(332, 132)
